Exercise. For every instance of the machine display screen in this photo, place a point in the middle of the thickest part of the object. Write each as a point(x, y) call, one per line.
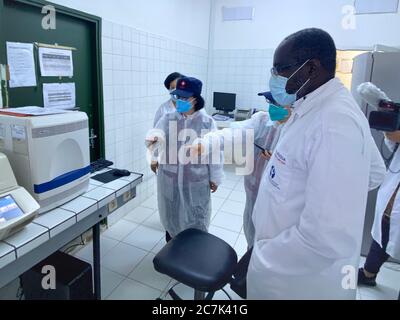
point(9, 209)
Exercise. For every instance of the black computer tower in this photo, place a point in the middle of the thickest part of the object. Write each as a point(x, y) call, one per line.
point(73, 279)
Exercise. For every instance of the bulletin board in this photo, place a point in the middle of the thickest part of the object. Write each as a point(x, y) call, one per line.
point(21, 21)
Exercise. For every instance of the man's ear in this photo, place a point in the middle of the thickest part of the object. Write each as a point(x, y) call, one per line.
point(314, 68)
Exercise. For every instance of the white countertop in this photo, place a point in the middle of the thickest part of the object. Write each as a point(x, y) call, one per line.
point(50, 224)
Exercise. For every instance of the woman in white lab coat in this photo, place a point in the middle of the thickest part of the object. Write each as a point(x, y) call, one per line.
point(184, 183)
point(167, 107)
point(170, 105)
point(386, 228)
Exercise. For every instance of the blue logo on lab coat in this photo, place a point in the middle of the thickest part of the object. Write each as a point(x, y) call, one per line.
point(273, 172)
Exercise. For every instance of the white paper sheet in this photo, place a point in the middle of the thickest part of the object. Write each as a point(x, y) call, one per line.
point(55, 62)
point(59, 95)
point(21, 64)
point(33, 111)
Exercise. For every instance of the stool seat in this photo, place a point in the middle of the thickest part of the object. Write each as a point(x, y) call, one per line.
point(197, 259)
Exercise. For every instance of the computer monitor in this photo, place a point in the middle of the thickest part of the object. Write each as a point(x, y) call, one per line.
point(225, 102)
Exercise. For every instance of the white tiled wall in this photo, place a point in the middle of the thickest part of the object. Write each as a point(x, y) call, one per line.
point(135, 64)
point(244, 72)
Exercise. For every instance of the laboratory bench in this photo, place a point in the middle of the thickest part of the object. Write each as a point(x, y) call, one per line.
point(55, 229)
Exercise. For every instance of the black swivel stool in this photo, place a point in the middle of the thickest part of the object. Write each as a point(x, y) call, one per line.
point(199, 260)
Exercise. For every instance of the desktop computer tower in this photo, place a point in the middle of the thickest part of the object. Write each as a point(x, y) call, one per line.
point(73, 279)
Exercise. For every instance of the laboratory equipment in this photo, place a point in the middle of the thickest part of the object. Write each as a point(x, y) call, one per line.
point(17, 207)
point(49, 155)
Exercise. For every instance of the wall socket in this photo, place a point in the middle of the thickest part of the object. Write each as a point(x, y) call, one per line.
point(112, 206)
point(127, 196)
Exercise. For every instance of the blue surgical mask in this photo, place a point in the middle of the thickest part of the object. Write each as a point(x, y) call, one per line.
point(277, 113)
point(183, 106)
point(277, 85)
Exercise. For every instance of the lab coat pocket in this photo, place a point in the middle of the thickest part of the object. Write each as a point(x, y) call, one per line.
point(167, 184)
point(201, 205)
point(200, 193)
point(171, 168)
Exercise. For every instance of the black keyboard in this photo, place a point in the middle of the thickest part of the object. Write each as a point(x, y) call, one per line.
point(100, 165)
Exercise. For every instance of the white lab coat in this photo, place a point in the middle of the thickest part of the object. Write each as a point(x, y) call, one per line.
point(385, 193)
point(309, 214)
point(166, 107)
point(184, 199)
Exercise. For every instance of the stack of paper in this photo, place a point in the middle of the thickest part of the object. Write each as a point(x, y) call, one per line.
point(32, 111)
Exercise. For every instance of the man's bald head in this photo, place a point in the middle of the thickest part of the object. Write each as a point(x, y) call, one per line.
point(312, 43)
point(307, 55)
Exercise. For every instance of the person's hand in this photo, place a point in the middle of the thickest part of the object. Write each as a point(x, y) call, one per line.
point(150, 141)
point(393, 136)
point(213, 187)
point(289, 109)
point(154, 166)
point(196, 149)
point(266, 155)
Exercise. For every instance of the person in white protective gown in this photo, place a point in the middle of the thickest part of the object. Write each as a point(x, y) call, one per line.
point(310, 210)
point(266, 134)
point(386, 227)
point(170, 105)
point(167, 107)
point(185, 184)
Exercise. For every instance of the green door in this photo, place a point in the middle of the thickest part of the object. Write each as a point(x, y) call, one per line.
point(21, 21)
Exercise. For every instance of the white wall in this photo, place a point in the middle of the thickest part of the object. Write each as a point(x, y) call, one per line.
point(275, 19)
point(241, 52)
point(182, 20)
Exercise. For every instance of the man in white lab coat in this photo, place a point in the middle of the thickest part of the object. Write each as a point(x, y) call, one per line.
point(309, 214)
point(386, 228)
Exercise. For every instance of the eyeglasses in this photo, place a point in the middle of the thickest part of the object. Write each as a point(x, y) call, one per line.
point(276, 70)
point(176, 97)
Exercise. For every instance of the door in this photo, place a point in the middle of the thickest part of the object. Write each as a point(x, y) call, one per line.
point(21, 21)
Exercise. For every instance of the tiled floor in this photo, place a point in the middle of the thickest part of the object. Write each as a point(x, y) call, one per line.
point(129, 246)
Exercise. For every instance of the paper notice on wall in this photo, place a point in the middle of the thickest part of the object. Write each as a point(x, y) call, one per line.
point(56, 62)
point(21, 64)
point(59, 95)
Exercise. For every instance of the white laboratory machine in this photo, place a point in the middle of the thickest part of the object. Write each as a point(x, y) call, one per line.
point(49, 155)
point(17, 207)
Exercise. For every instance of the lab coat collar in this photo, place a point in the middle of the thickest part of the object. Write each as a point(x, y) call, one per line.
point(307, 103)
